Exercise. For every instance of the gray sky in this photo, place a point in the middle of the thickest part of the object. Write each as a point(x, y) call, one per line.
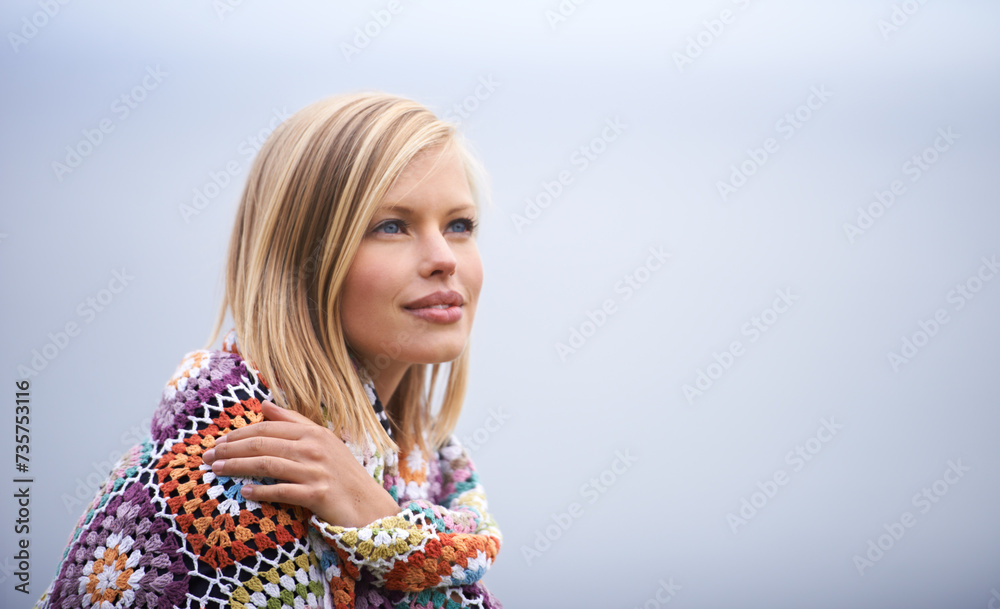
point(739, 308)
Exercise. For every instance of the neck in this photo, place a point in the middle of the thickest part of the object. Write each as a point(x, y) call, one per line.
point(387, 380)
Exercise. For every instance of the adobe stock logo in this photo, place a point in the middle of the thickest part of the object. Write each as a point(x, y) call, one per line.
point(592, 490)
point(915, 167)
point(663, 594)
point(713, 30)
point(364, 35)
point(899, 17)
point(753, 329)
point(924, 501)
point(958, 297)
point(796, 459)
point(562, 13)
point(787, 126)
point(580, 160)
point(87, 309)
point(627, 286)
point(122, 107)
point(470, 103)
point(88, 486)
point(219, 180)
point(224, 7)
point(39, 19)
point(480, 435)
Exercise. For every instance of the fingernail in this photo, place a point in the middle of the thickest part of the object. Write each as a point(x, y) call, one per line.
point(208, 455)
point(218, 465)
point(220, 439)
point(246, 491)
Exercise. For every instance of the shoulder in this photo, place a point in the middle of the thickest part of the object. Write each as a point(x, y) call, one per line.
point(457, 469)
point(122, 545)
point(176, 528)
point(453, 455)
point(204, 380)
point(451, 449)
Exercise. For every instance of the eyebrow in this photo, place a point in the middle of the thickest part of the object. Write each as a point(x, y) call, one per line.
point(405, 209)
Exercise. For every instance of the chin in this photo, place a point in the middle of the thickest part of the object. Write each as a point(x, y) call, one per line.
point(437, 354)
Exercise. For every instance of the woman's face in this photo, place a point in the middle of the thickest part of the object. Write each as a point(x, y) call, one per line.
point(410, 295)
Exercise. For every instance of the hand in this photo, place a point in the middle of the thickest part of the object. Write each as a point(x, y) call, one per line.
point(314, 467)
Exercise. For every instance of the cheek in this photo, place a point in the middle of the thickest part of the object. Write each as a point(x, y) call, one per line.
point(473, 273)
point(364, 298)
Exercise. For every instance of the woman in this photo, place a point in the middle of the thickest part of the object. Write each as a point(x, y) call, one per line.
point(272, 475)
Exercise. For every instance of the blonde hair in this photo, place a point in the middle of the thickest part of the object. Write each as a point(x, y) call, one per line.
point(311, 193)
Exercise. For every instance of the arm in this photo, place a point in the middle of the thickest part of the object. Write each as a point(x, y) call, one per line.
point(427, 544)
point(167, 532)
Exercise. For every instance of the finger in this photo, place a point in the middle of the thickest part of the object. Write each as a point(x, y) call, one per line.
point(265, 466)
point(274, 429)
point(294, 494)
point(254, 446)
point(273, 412)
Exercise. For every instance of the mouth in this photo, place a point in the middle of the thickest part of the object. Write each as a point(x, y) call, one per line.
point(444, 307)
point(437, 300)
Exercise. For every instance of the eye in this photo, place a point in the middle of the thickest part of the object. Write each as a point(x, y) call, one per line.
point(464, 225)
point(391, 227)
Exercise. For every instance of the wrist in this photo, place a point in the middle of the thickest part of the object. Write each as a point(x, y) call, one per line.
point(372, 505)
point(377, 506)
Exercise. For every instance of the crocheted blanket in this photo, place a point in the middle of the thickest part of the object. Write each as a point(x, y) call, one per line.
point(164, 531)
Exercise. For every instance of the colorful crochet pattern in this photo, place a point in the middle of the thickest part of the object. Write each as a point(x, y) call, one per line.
point(164, 531)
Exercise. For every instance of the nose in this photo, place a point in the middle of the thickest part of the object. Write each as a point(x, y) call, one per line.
point(436, 256)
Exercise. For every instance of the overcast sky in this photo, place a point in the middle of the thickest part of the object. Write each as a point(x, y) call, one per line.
point(739, 322)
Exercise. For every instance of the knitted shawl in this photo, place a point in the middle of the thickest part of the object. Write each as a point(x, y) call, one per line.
point(164, 531)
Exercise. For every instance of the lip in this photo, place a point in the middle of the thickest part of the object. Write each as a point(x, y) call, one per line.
point(443, 297)
point(443, 307)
